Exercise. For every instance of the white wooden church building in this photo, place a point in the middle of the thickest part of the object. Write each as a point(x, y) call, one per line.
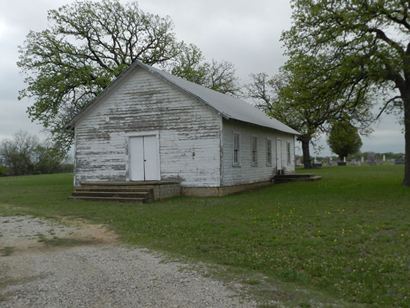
point(150, 126)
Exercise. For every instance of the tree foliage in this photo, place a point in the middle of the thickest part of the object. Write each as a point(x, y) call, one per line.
point(48, 159)
point(25, 154)
point(17, 153)
point(190, 64)
point(344, 139)
point(299, 96)
point(88, 44)
point(367, 43)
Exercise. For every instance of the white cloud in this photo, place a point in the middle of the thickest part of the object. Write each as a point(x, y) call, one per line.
point(3, 28)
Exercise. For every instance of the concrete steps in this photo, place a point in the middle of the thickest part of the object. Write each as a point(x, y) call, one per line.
point(120, 194)
point(117, 199)
point(140, 192)
point(132, 184)
point(113, 188)
point(114, 192)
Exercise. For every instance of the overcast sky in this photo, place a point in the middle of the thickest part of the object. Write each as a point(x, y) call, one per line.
point(245, 33)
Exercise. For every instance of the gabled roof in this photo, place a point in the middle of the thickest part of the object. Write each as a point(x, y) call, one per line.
point(228, 106)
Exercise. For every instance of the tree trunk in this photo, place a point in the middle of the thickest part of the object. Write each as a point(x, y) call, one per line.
point(306, 151)
point(406, 102)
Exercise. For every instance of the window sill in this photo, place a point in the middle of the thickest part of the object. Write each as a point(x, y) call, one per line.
point(236, 166)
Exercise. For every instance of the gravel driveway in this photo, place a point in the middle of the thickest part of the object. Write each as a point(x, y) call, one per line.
point(46, 264)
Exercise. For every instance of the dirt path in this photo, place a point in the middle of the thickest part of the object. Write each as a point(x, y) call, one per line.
point(46, 264)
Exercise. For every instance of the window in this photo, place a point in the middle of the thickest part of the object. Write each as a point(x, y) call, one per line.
point(268, 152)
point(236, 149)
point(254, 147)
point(288, 152)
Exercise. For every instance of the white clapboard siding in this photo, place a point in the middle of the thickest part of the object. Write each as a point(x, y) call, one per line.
point(246, 171)
point(189, 133)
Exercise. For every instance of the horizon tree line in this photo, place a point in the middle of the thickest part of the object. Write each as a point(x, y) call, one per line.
point(328, 77)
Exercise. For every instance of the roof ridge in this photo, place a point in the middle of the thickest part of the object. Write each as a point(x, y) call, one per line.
point(234, 102)
point(228, 106)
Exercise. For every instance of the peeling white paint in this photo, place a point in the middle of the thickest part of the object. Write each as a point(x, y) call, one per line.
point(246, 171)
point(195, 144)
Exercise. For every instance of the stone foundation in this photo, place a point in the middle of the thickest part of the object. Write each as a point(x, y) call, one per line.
point(166, 190)
point(222, 191)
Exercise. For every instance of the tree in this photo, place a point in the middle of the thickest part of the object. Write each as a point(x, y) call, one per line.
point(344, 139)
point(47, 158)
point(25, 154)
point(298, 97)
point(17, 153)
point(87, 45)
point(190, 64)
point(370, 39)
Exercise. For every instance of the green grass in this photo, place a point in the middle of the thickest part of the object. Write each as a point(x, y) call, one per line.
point(347, 236)
point(6, 251)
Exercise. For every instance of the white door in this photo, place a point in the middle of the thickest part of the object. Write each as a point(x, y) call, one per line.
point(143, 158)
point(279, 154)
point(151, 158)
point(136, 158)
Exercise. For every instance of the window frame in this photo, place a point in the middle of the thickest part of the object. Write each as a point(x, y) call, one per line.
point(279, 153)
point(238, 162)
point(268, 144)
point(289, 155)
point(254, 151)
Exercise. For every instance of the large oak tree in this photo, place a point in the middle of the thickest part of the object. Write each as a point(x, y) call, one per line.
point(370, 38)
point(87, 45)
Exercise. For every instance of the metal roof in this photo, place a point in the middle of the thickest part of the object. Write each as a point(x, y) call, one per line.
point(230, 107)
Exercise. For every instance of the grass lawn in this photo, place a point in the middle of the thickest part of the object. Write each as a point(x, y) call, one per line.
point(347, 236)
